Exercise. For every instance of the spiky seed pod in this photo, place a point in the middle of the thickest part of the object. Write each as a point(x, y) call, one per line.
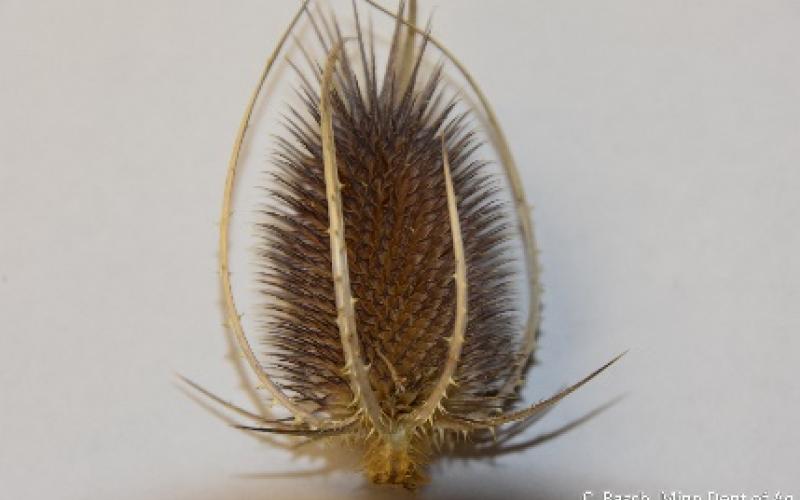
point(385, 260)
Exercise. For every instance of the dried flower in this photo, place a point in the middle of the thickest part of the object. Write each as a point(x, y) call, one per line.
point(393, 319)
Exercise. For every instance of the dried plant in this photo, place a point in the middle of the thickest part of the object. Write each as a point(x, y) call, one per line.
point(392, 316)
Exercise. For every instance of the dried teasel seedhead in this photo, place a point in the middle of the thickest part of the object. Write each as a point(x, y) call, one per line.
point(392, 319)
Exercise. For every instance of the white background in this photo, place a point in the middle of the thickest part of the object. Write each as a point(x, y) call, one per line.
point(659, 142)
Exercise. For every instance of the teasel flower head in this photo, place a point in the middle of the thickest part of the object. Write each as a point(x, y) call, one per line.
point(386, 257)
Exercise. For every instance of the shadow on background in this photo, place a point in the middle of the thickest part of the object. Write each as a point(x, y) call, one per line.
point(336, 460)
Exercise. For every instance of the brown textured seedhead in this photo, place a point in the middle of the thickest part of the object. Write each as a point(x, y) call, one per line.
point(400, 253)
point(389, 138)
point(391, 313)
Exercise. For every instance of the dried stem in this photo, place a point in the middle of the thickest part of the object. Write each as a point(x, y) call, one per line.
point(428, 408)
point(227, 404)
point(345, 302)
point(232, 315)
point(473, 424)
point(233, 320)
